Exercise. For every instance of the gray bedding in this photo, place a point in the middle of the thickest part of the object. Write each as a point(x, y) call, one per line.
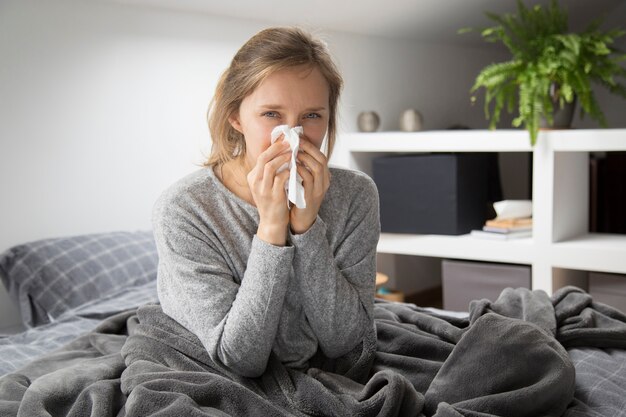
point(600, 382)
point(20, 349)
point(508, 358)
point(50, 277)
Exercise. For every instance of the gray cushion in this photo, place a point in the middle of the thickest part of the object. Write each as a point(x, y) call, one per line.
point(50, 276)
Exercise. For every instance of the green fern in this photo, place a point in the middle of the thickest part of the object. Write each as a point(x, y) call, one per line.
point(549, 66)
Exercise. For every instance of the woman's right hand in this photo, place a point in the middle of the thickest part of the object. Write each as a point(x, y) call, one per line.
point(268, 191)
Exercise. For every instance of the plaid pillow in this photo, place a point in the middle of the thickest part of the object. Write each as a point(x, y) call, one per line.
point(50, 276)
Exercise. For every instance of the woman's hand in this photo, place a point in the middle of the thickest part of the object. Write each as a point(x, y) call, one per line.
point(268, 191)
point(313, 168)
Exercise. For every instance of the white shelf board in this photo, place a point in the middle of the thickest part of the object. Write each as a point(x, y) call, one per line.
point(519, 251)
point(585, 140)
point(568, 140)
point(439, 141)
point(591, 252)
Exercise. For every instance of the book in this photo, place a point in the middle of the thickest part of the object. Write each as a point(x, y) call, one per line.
point(501, 236)
point(514, 222)
point(513, 229)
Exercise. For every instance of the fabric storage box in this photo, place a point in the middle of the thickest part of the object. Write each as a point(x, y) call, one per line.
point(466, 281)
point(608, 289)
point(432, 193)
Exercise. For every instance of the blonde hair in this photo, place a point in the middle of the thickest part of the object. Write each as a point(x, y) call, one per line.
point(266, 52)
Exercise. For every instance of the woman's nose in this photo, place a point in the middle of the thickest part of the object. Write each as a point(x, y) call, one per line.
point(292, 121)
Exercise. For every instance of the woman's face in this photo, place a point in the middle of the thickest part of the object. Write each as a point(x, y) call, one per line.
point(296, 96)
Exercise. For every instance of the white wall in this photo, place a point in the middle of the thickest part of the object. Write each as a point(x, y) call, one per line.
point(391, 76)
point(102, 107)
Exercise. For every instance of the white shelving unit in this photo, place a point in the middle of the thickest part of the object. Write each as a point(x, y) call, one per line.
point(560, 199)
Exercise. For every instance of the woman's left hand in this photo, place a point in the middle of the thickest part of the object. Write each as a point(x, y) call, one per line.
point(313, 168)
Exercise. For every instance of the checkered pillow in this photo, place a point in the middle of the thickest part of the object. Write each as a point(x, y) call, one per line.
point(51, 276)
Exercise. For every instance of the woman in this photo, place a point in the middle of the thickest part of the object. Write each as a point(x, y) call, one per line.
point(247, 273)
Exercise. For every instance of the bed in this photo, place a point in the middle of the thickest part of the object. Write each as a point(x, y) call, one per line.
point(97, 343)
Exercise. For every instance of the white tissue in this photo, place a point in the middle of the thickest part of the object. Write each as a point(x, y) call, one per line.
point(294, 188)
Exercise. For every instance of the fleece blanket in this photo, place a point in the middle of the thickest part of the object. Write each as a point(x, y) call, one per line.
point(508, 358)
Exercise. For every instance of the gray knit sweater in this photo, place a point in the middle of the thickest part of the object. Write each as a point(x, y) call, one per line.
point(245, 298)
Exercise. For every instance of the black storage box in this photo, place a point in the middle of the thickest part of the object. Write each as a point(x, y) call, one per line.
point(443, 194)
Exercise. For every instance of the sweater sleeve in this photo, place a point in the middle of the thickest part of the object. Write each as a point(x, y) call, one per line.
point(338, 288)
point(237, 324)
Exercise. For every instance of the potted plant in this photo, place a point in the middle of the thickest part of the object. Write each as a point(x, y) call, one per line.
point(550, 68)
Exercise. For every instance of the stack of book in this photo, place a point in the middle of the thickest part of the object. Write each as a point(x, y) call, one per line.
point(504, 229)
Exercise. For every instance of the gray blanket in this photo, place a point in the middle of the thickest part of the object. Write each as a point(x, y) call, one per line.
point(507, 359)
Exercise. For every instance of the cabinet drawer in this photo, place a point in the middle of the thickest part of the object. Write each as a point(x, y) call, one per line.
point(608, 289)
point(466, 281)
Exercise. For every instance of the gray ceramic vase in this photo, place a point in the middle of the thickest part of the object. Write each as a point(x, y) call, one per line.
point(411, 120)
point(368, 121)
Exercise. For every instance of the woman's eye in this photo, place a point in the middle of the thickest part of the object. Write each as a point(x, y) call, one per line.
point(271, 114)
point(313, 116)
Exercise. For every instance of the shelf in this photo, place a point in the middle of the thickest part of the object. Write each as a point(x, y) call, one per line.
point(591, 252)
point(439, 141)
point(584, 140)
point(560, 198)
point(519, 251)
